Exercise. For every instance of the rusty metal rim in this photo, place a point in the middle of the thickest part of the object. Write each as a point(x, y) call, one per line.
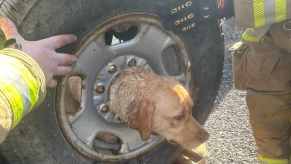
point(61, 113)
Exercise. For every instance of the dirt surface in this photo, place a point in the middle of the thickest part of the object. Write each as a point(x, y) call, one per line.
point(231, 139)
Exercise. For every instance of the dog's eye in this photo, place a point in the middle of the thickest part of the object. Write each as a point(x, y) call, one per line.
point(180, 116)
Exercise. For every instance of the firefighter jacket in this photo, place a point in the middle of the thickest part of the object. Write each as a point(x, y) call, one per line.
point(22, 86)
point(258, 15)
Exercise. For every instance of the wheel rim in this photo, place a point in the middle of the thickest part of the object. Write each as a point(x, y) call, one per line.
point(98, 64)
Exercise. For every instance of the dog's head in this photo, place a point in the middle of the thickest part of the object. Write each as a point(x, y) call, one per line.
point(168, 112)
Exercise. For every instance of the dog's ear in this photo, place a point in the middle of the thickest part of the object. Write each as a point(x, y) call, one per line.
point(183, 95)
point(140, 117)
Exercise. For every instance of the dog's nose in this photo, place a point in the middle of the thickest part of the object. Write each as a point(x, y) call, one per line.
point(203, 136)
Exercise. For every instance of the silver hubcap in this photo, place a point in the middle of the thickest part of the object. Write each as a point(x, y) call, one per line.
point(150, 47)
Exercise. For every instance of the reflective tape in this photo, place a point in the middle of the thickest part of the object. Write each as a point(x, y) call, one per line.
point(34, 75)
point(11, 75)
point(254, 35)
point(267, 12)
point(265, 160)
point(14, 97)
point(248, 36)
point(22, 82)
point(281, 10)
point(260, 13)
point(5, 115)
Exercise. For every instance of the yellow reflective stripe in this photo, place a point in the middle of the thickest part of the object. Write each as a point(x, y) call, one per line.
point(26, 59)
point(5, 113)
point(33, 86)
point(30, 83)
point(32, 74)
point(14, 98)
point(11, 76)
point(259, 13)
point(265, 160)
point(16, 73)
point(281, 10)
point(22, 82)
point(249, 37)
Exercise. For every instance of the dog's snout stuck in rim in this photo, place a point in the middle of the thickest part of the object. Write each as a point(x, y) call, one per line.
point(154, 104)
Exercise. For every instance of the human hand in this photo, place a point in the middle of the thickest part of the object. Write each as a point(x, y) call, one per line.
point(44, 51)
point(52, 63)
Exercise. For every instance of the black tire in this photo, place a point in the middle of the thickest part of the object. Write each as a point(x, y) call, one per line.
point(38, 140)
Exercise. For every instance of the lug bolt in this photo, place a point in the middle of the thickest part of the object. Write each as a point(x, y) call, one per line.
point(112, 69)
point(132, 62)
point(104, 108)
point(100, 89)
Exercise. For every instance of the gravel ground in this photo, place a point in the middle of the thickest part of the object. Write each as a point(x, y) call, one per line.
point(231, 138)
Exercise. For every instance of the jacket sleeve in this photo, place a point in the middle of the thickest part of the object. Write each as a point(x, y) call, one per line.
point(22, 88)
point(5, 119)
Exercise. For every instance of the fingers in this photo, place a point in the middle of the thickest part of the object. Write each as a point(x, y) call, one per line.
point(52, 83)
point(65, 59)
point(60, 71)
point(60, 41)
point(63, 70)
point(64, 67)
